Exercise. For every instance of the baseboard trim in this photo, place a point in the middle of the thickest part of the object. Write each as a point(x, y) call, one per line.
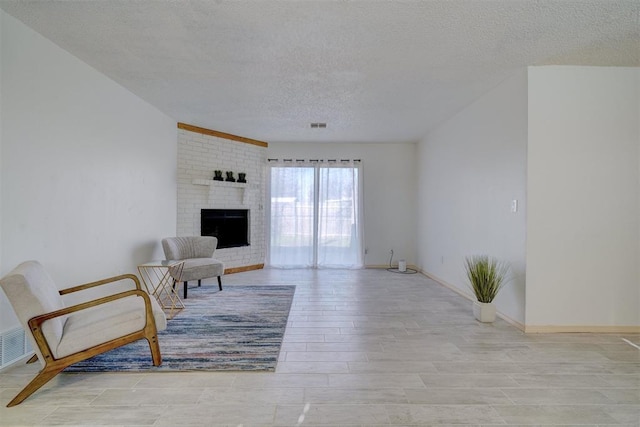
point(376, 266)
point(245, 268)
point(446, 284)
point(564, 329)
point(543, 329)
point(380, 267)
point(471, 298)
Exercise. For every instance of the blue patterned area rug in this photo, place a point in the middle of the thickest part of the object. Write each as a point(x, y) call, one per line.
point(237, 329)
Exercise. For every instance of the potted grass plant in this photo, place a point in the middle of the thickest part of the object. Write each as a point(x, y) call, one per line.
point(486, 276)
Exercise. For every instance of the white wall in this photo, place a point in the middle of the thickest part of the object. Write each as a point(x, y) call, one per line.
point(88, 177)
point(389, 192)
point(470, 169)
point(583, 197)
point(6, 314)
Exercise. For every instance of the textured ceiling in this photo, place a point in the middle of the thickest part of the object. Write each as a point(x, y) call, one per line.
point(374, 71)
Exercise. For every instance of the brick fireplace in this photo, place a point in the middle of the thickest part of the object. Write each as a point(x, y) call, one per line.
point(200, 152)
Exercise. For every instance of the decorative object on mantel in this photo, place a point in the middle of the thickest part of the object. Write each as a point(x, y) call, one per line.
point(238, 329)
point(487, 276)
point(217, 176)
point(242, 188)
point(230, 177)
point(242, 177)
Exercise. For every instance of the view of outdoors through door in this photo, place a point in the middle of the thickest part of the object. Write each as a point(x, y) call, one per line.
point(314, 216)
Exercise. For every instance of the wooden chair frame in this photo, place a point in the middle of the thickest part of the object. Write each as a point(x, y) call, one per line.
point(54, 366)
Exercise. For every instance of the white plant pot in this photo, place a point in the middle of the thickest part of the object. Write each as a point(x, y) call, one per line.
point(484, 311)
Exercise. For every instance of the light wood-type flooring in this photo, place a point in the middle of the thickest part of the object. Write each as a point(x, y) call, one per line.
point(365, 348)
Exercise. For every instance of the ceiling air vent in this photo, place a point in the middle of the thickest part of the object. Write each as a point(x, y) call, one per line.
point(318, 125)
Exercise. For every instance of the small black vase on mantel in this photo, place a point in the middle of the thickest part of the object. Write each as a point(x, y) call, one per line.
point(230, 177)
point(217, 176)
point(242, 177)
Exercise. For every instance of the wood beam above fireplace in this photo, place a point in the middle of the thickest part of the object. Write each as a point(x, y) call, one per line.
point(224, 135)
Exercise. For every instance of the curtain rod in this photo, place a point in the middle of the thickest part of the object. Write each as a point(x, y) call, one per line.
point(316, 160)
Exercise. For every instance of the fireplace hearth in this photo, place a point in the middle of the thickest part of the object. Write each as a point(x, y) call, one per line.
point(230, 226)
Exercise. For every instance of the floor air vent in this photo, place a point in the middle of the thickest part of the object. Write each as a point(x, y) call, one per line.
point(13, 346)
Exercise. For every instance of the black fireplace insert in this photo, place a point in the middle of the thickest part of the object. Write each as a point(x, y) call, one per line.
point(230, 226)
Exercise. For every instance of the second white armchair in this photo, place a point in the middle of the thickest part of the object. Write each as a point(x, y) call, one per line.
point(197, 254)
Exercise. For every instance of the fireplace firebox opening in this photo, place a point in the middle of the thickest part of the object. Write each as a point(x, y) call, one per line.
point(230, 226)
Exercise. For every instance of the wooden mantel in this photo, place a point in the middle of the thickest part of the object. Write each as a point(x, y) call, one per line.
point(218, 134)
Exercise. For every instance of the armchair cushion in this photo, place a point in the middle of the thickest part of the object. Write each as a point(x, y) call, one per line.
point(96, 325)
point(200, 268)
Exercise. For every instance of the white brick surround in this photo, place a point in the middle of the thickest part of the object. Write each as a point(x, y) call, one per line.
point(198, 156)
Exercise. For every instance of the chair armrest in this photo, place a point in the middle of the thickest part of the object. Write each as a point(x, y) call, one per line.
point(36, 322)
point(102, 282)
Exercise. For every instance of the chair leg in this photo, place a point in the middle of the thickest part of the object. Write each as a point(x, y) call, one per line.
point(41, 379)
point(185, 290)
point(220, 282)
point(199, 282)
point(155, 350)
point(33, 359)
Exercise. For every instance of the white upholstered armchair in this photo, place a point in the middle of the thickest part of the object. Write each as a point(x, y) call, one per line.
point(197, 254)
point(62, 336)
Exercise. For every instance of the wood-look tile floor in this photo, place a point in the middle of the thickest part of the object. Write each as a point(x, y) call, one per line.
point(365, 348)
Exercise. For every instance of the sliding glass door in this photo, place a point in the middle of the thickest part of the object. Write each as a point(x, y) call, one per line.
point(315, 216)
point(292, 218)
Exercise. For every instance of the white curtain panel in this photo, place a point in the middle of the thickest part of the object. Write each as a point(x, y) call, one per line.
point(316, 214)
